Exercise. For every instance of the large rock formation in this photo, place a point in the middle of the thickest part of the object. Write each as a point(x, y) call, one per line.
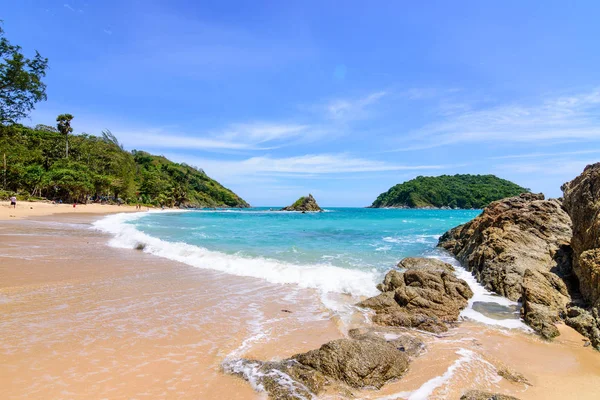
point(426, 295)
point(368, 362)
point(582, 202)
point(519, 248)
point(305, 203)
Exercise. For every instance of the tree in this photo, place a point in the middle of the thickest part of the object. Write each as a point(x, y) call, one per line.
point(64, 127)
point(21, 83)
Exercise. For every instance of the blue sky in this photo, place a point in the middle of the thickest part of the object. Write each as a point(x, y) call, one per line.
point(340, 99)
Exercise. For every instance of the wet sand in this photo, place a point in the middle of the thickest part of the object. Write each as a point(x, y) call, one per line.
point(82, 320)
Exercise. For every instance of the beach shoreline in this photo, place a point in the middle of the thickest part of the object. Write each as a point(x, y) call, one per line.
point(138, 324)
point(36, 209)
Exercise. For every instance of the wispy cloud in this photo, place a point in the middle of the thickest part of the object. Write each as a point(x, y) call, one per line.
point(538, 155)
point(309, 164)
point(562, 119)
point(68, 7)
point(352, 108)
point(107, 31)
point(248, 136)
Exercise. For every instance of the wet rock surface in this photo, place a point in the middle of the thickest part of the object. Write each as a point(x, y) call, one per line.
point(582, 202)
point(519, 248)
point(366, 360)
point(426, 295)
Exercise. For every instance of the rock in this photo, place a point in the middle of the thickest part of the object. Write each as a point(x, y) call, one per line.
point(368, 362)
point(513, 376)
point(425, 296)
point(304, 204)
point(582, 202)
point(481, 395)
point(545, 297)
point(408, 344)
point(513, 236)
point(510, 236)
point(585, 322)
point(358, 363)
point(285, 380)
point(425, 263)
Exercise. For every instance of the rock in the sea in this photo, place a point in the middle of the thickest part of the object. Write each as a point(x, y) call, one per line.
point(426, 295)
point(358, 363)
point(305, 203)
point(410, 345)
point(519, 248)
point(582, 202)
point(481, 395)
point(367, 362)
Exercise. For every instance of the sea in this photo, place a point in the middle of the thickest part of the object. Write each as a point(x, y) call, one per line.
point(338, 251)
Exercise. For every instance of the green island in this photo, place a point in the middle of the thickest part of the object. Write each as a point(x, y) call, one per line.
point(452, 191)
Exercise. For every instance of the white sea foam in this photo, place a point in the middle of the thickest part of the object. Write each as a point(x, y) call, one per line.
point(325, 278)
point(468, 360)
point(481, 294)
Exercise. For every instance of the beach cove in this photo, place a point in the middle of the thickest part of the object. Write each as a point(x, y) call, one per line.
point(85, 319)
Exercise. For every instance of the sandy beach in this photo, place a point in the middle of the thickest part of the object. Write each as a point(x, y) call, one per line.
point(33, 209)
point(84, 320)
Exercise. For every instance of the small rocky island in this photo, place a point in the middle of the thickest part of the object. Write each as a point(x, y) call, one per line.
point(304, 204)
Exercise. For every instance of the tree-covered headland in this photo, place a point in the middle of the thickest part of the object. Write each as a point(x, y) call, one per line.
point(50, 162)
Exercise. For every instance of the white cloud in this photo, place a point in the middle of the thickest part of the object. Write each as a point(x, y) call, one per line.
point(305, 165)
point(351, 109)
point(68, 6)
point(563, 119)
point(250, 136)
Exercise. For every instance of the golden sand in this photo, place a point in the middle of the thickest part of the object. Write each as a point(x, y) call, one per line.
point(79, 319)
point(32, 209)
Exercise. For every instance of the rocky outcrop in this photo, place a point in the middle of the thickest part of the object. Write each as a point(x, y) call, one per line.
point(519, 248)
point(408, 344)
point(426, 295)
point(481, 395)
point(358, 363)
point(582, 202)
point(339, 365)
point(305, 203)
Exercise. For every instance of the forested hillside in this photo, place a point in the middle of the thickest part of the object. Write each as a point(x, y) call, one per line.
point(50, 162)
point(454, 191)
point(37, 166)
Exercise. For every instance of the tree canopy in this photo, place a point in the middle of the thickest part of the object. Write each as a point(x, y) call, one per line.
point(98, 168)
point(457, 191)
point(21, 83)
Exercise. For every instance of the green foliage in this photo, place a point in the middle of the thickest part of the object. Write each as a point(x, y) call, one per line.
point(99, 168)
point(458, 191)
point(21, 83)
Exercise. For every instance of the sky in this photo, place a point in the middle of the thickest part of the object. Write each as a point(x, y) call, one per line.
point(341, 99)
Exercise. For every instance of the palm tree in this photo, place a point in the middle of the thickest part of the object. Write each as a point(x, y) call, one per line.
point(64, 127)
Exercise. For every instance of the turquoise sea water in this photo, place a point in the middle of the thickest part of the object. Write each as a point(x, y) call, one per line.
point(342, 250)
point(352, 238)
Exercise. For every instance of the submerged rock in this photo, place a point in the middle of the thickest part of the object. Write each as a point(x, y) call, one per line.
point(368, 362)
point(426, 296)
point(481, 395)
point(519, 248)
point(582, 202)
point(305, 203)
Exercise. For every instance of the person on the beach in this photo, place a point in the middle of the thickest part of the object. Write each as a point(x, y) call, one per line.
point(13, 201)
